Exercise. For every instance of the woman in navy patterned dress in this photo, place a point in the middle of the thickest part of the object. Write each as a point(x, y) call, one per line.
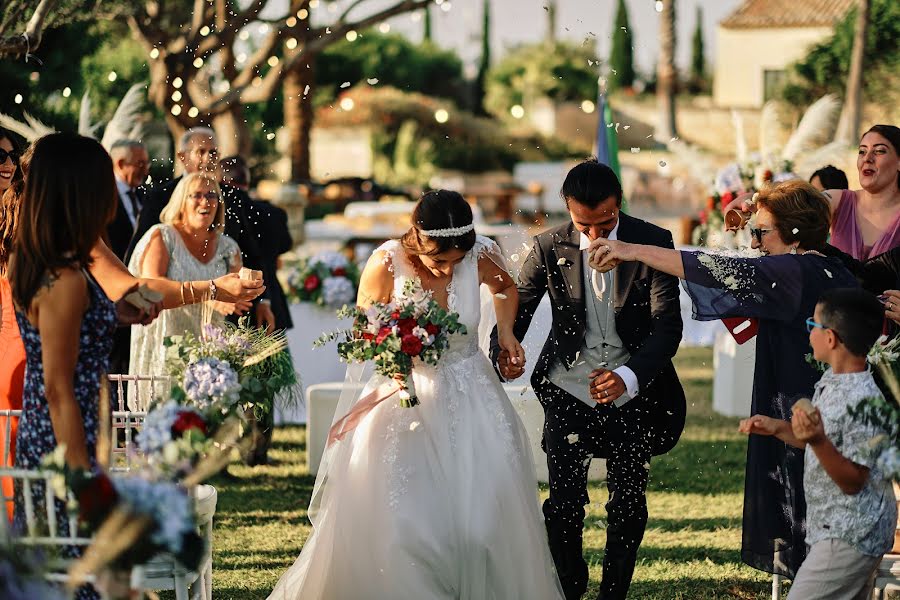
point(65, 319)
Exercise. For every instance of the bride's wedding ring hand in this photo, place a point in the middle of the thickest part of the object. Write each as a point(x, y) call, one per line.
point(508, 368)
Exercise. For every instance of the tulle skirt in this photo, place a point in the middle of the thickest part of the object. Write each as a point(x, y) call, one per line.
point(438, 501)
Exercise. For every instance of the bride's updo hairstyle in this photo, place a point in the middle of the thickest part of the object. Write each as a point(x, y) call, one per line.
point(441, 221)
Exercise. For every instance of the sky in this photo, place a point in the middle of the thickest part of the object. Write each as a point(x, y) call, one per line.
point(521, 21)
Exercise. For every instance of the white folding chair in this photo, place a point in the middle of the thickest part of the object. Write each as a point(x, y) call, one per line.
point(142, 395)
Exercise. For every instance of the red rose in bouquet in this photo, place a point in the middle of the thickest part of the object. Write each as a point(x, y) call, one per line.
point(382, 335)
point(406, 326)
point(432, 329)
point(339, 272)
point(411, 345)
point(96, 498)
point(727, 198)
point(311, 283)
point(188, 420)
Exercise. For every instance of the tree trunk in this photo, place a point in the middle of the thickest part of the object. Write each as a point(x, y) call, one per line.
point(299, 116)
point(665, 75)
point(851, 114)
point(232, 132)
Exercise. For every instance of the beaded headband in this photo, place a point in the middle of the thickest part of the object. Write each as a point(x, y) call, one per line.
point(448, 232)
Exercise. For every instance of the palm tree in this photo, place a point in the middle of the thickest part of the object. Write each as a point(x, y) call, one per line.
point(848, 127)
point(666, 75)
point(551, 20)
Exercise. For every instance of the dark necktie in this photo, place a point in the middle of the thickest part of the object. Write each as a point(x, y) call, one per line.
point(135, 204)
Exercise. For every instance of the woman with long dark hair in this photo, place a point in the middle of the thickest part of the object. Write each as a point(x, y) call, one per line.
point(438, 500)
point(866, 222)
point(12, 352)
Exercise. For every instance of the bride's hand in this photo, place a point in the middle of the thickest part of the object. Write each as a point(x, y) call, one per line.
point(512, 356)
point(606, 254)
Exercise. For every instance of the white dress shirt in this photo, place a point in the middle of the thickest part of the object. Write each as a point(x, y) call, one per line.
point(123, 189)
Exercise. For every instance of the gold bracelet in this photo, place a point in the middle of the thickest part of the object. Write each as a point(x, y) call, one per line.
point(182, 294)
point(193, 297)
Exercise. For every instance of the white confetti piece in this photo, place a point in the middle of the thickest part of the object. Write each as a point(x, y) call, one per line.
point(795, 231)
point(515, 257)
point(345, 85)
point(500, 296)
point(372, 81)
point(414, 425)
point(830, 276)
point(647, 466)
point(774, 283)
point(561, 261)
point(572, 438)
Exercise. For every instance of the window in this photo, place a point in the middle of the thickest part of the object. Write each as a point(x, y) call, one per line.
point(773, 80)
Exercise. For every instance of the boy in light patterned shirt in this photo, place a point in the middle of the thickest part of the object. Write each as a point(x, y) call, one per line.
point(851, 511)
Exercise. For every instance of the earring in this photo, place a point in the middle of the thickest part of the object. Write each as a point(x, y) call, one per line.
point(793, 249)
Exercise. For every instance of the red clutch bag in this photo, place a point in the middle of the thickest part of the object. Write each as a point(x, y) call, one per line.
point(741, 328)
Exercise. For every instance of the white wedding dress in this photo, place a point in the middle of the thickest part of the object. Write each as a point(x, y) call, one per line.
point(438, 501)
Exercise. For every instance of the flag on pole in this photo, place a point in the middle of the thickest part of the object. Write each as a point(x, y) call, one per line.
point(607, 143)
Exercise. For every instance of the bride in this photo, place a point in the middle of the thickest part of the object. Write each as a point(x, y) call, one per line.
point(437, 501)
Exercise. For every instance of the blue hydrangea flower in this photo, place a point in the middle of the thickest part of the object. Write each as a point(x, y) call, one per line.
point(211, 381)
point(157, 429)
point(332, 260)
point(167, 504)
point(888, 462)
point(338, 291)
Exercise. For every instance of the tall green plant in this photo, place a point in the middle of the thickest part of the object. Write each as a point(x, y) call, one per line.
point(621, 57)
point(485, 64)
point(698, 57)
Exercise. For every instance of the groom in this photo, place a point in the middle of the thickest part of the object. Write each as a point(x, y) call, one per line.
point(605, 376)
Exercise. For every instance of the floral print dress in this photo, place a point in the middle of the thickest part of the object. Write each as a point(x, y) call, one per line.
point(35, 436)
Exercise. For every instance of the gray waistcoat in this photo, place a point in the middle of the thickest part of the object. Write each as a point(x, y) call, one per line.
point(602, 343)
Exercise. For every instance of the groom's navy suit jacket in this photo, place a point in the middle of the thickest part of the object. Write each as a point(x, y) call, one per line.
point(648, 320)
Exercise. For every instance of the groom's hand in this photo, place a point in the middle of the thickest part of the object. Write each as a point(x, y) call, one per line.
point(606, 386)
point(508, 369)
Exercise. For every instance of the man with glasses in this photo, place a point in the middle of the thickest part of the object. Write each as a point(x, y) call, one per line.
point(198, 151)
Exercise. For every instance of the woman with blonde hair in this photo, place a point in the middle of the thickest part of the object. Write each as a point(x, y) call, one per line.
point(781, 289)
point(188, 244)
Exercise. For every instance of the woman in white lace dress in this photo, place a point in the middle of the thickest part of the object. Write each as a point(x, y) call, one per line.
point(438, 501)
point(187, 245)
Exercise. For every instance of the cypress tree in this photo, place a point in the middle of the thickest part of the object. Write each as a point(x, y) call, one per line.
point(621, 57)
point(427, 36)
point(485, 63)
point(698, 60)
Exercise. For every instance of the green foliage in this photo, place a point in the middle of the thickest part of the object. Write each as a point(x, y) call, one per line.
point(826, 66)
point(118, 53)
point(391, 59)
point(465, 142)
point(698, 80)
point(562, 71)
point(412, 162)
point(621, 58)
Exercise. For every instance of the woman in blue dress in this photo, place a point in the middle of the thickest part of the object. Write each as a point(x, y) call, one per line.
point(780, 289)
point(65, 319)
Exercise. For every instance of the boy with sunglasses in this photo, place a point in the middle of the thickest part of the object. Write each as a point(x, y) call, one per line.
point(851, 510)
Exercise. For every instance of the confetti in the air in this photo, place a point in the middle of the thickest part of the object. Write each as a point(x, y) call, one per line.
point(572, 438)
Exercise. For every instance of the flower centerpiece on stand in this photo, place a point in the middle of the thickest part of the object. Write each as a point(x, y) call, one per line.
point(326, 279)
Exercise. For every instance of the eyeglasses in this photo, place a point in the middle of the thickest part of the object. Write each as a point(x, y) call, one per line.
point(759, 233)
point(211, 196)
point(810, 325)
point(10, 154)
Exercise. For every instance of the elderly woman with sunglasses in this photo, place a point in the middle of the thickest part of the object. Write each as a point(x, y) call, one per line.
point(780, 289)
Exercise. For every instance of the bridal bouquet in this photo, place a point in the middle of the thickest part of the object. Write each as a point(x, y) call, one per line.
point(395, 334)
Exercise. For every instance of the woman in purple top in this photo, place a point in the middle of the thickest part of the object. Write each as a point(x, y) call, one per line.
point(781, 290)
point(866, 222)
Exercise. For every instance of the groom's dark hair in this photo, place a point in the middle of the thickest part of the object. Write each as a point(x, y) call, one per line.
point(590, 183)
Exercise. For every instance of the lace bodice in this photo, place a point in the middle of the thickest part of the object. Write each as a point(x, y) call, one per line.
point(463, 291)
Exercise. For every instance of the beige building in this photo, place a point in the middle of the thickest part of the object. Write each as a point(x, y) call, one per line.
point(758, 42)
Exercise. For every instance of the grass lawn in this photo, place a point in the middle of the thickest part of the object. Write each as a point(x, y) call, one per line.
point(690, 550)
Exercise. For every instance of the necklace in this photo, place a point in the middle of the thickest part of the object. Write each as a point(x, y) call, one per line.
point(816, 252)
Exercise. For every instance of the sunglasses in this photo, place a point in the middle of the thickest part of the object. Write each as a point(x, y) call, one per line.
point(10, 154)
point(758, 233)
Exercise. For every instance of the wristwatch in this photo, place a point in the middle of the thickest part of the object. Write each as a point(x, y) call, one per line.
point(213, 290)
